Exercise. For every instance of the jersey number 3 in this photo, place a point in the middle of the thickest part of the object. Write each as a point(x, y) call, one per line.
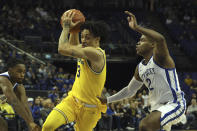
point(78, 71)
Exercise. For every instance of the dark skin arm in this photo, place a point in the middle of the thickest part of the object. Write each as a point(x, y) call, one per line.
point(21, 94)
point(160, 52)
point(6, 87)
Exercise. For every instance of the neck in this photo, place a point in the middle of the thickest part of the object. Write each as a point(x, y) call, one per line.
point(12, 81)
point(10, 78)
point(96, 45)
point(147, 57)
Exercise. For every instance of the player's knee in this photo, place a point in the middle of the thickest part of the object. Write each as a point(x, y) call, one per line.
point(144, 125)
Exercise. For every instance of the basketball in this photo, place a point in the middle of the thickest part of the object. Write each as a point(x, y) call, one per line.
point(77, 17)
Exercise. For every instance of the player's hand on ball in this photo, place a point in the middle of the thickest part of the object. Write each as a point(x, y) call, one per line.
point(67, 20)
point(132, 20)
point(103, 100)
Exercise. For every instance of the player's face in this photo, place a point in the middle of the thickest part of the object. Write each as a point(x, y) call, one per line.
point(17, 73)
point(87, 39)
point(144, 46)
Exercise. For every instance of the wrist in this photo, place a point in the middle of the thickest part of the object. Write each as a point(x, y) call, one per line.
point(137, 27)
point(66, 28)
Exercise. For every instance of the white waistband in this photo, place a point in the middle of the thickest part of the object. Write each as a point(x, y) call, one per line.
point(86, 105)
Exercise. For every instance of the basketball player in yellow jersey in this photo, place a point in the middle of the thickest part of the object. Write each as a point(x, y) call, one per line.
point(82, 104)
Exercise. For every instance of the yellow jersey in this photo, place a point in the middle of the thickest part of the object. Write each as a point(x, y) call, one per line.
point(9, 110)
point(88, 83)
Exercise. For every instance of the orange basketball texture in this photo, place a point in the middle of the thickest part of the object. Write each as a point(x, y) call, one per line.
point(77, 17)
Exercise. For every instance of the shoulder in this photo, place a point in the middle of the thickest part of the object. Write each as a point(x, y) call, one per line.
point(4, 82)
point(95, 53)
point(3, 79)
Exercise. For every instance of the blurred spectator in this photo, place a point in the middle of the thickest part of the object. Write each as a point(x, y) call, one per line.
point(30, 103)
point(64, 88)
point(118, 116)
point(145, 98)
point(191, 114)
point(188, 80)
point(105, 123)
point(46, 109)
point(194, 96)
point(194, 85)
point(192, 110)
point(36, 112)
point(126, 103)
point(54, 94)
point(105, 93)
point(133, 121)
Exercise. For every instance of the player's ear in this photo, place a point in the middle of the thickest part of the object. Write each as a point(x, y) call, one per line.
point(153, 44)
point(98, 39)
point(10, 69)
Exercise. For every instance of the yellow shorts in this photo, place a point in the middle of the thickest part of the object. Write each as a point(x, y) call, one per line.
point(86, 118)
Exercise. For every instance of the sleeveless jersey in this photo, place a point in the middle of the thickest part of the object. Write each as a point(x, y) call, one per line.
point(6, 74)
point(88, 83)
point(163, 84)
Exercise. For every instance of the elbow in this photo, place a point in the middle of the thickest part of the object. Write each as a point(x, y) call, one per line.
point(60, 51)
point(11, 99)
point(63, 51)
point(161, 39)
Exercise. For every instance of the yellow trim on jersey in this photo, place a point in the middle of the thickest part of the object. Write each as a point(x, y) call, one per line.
point(103, 65)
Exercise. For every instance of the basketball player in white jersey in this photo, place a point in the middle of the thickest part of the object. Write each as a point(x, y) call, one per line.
point(157, 71)
point(11, 86)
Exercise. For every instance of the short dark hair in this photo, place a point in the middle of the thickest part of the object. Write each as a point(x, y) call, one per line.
point(97, 28)
point(14, 61)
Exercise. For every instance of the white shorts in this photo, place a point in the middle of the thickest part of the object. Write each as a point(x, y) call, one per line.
point(171, 114)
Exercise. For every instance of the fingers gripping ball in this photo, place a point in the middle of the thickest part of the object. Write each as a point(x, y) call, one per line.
point(77, 17)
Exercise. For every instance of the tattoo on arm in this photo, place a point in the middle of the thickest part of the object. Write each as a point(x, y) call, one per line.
point(64, 37)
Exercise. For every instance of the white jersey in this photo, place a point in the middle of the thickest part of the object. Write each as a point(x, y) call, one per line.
point(163, 84)
point(6, 74)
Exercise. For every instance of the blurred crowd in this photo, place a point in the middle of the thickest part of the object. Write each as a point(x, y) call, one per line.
point(179, 17)
point(36, 18)
point(38, 76)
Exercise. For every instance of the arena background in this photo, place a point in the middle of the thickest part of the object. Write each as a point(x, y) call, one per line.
point(30, 30)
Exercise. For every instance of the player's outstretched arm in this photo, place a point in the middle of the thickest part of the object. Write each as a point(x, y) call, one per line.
point(160, 52)
point(21, 94)
point(147, 32)
point(134, 85)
